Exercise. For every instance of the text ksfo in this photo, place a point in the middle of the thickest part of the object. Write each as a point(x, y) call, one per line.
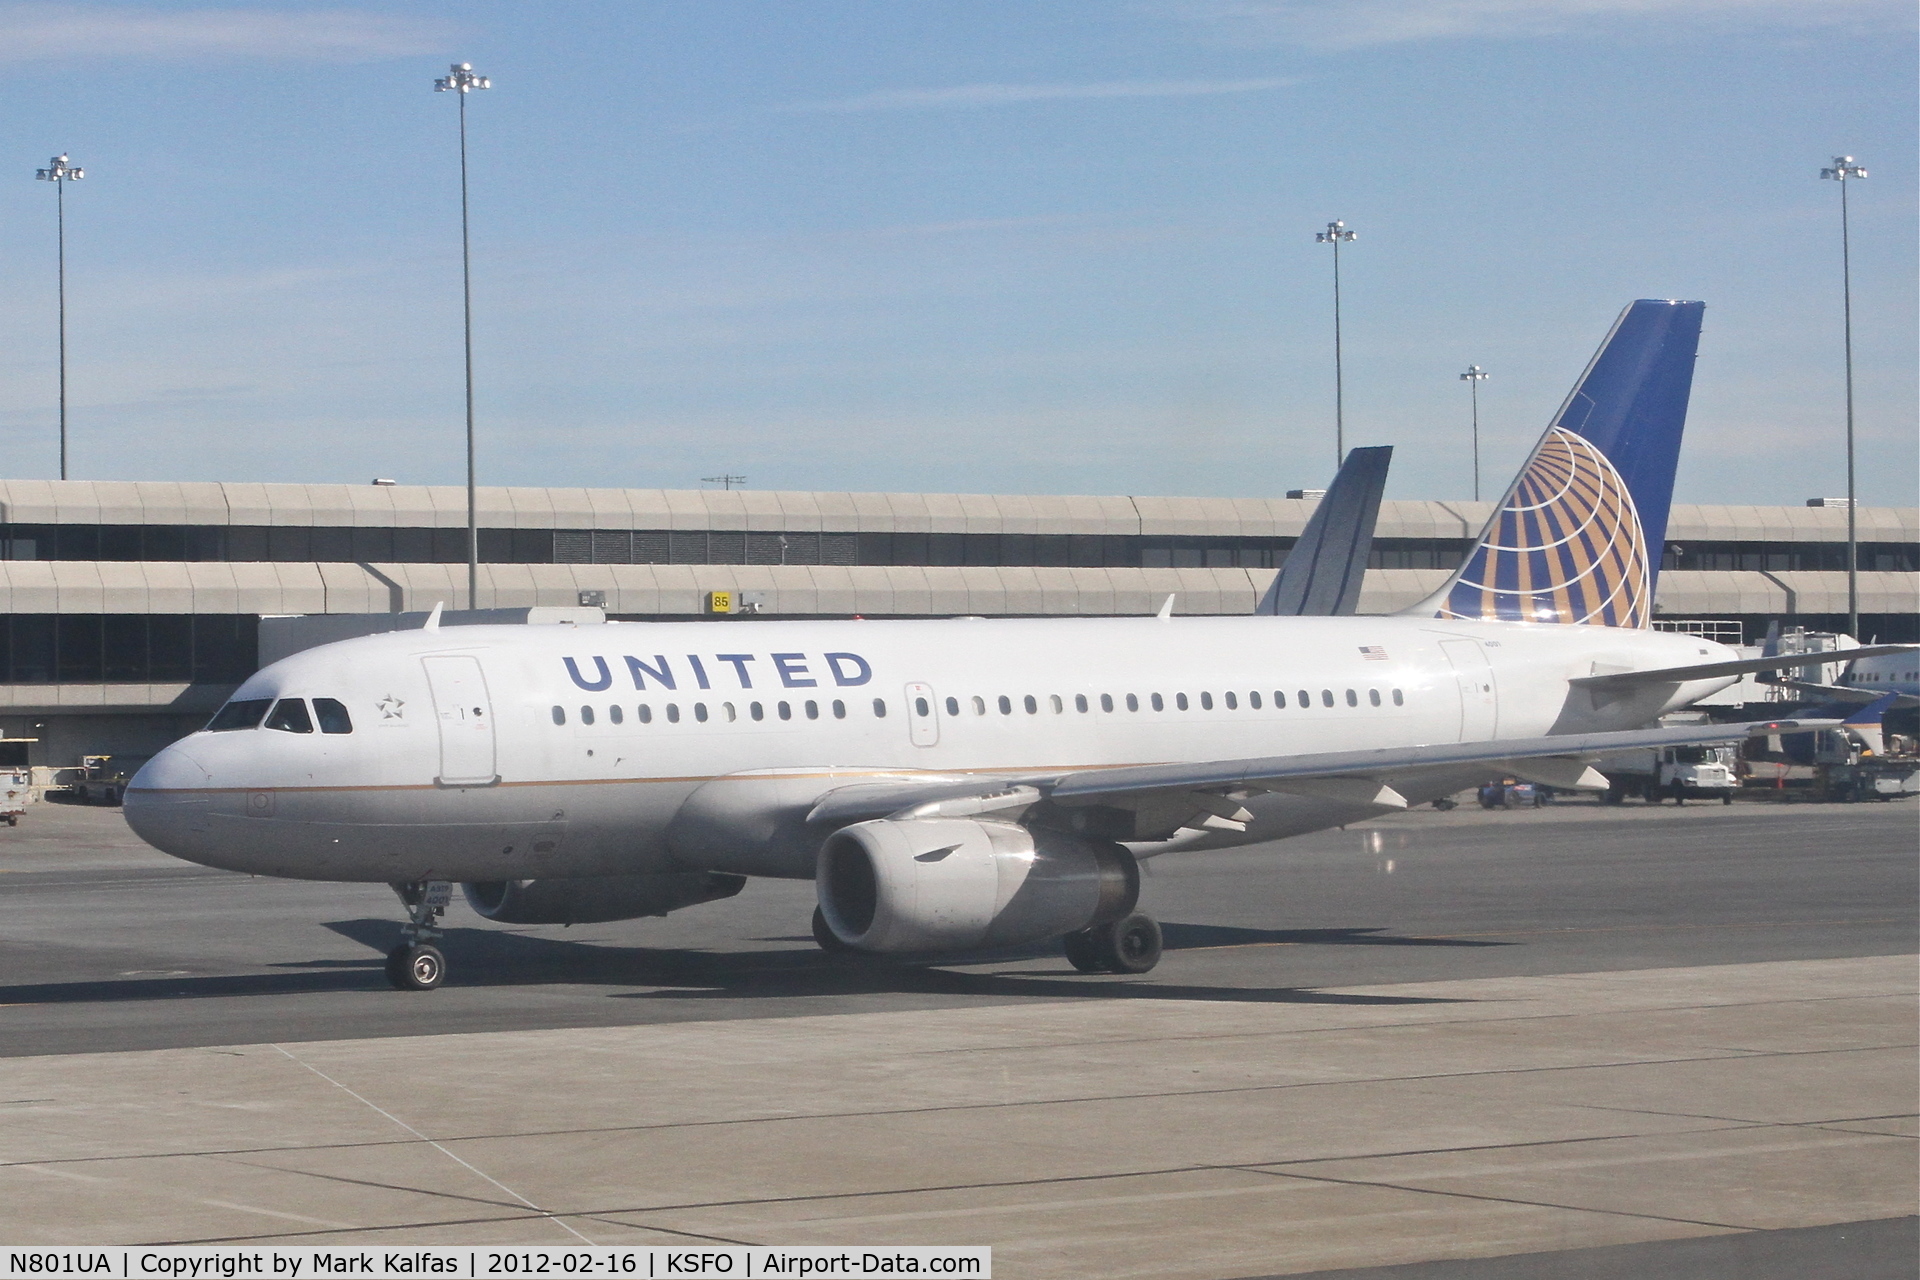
point(794, 670)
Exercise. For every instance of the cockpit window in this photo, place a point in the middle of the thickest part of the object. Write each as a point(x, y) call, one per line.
point(290, 716)
point(332, 715)
point(242, 713)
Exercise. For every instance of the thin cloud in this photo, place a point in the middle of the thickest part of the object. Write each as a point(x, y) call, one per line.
point(43, 32)
point(1000, 95)
point(1346, 24)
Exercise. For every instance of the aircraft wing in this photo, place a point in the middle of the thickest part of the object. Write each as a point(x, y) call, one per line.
point(1305, 774)
point(1741, 666)
point(1183, 794)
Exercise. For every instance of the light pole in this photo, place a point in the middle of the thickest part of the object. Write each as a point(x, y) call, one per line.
point(59, 173)
point(1843, 169)
point(461, 80)
point(1336, 232)
point(1473, 377)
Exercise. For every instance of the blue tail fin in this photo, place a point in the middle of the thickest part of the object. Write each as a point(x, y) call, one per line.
point(1578, 536)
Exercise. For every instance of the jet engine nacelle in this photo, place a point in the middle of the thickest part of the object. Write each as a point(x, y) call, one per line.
point(594, 899)
point(953, 884)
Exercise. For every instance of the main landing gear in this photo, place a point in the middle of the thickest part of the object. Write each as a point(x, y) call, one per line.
point(1130, 944)
point(416, 964)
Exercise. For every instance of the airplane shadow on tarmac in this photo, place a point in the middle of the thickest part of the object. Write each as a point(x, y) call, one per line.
point(504, 958)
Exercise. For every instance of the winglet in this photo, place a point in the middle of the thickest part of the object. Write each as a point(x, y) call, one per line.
point(433, 619)
point(1323, 572)
point(1166, 610)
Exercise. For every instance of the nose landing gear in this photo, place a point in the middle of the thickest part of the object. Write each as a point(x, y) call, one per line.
point(416, 964)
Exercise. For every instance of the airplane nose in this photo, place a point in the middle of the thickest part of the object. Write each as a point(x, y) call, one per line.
point(172, 770)
point(166, 803)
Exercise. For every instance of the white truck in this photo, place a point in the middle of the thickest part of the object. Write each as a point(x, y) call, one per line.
point(103, 779)
point(1679, 774)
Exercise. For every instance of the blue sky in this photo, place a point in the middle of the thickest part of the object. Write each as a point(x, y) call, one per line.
point(976, 246)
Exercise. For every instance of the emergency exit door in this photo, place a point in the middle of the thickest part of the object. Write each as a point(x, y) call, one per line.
point(923, 715)
point(465, 717)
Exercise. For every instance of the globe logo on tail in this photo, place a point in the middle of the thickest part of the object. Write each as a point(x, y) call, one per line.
point(1566, 546)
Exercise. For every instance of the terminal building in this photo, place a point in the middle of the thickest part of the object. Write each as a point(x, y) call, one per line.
point(132, 609)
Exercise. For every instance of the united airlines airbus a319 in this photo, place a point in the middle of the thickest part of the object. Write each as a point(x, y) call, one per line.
point(961, 784)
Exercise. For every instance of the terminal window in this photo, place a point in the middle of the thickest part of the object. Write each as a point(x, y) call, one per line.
point(409, 545)
point(128, 648)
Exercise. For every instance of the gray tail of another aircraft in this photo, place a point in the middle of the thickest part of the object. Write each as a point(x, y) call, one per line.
point(1322, 574)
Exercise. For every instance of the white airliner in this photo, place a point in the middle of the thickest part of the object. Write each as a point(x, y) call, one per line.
point(960, 784)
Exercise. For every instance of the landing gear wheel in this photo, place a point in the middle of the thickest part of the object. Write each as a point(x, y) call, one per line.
point(1083, 953)
point(419, 967)
point(824, 935)
point(1130, 944)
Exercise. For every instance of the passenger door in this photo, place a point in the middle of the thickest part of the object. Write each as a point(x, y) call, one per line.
point(1479, 700)
point(465, 716)
point(923, 715)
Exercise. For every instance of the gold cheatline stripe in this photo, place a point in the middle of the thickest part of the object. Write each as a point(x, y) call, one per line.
point(601, 782)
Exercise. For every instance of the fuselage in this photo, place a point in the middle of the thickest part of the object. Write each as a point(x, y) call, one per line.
point(1888, 673)
point(512, 752)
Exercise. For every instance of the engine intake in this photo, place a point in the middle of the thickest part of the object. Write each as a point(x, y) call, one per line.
point(596, 899)
point(950, 884)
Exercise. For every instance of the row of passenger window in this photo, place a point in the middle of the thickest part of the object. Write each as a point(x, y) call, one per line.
point(726, 711)
point(288, 715)
point(1230, 700)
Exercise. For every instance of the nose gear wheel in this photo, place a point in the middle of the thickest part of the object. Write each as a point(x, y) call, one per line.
point(416, 964)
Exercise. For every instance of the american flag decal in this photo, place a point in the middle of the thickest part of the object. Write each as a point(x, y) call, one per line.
point(1565, 547)
point(1373, 653)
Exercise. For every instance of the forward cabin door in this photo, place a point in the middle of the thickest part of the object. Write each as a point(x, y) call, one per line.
point(923, 715)
point(465, 716)
point(1479, 700)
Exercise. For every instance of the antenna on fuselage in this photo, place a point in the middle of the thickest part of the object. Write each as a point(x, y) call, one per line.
point(433, 619)
point(1166, 610)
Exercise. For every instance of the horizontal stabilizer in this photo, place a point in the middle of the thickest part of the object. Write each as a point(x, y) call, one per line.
point(1323, 572)
point(1707, 670)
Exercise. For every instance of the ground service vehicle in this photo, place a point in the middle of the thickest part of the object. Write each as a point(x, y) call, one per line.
point(1679, 774)
point(103, 779)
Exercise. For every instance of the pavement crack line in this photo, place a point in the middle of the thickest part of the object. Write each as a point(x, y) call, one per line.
point(611, 1221)
point(1515, 1200)
point(489, 1201)
point(396, 1120)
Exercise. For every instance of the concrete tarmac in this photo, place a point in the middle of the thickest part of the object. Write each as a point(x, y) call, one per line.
point(1549, 1035)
